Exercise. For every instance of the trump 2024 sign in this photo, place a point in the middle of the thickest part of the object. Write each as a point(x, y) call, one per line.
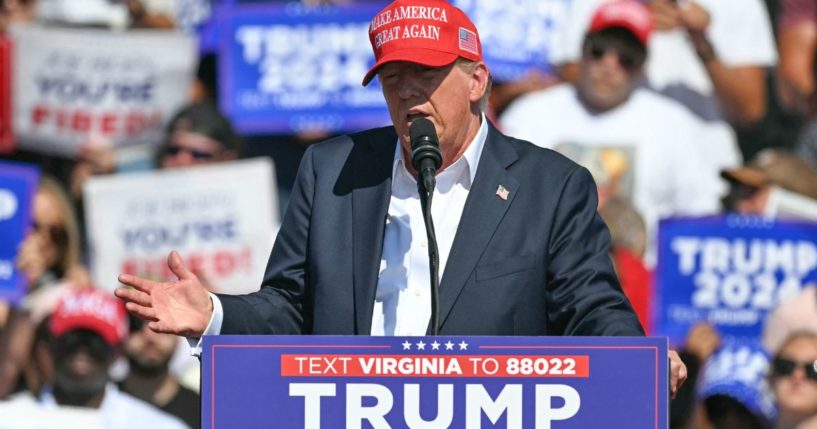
point(729, 271)
point(434, 382)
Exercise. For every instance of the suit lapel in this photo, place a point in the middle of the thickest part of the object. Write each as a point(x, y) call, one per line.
point(372, 161)
point(481, 216)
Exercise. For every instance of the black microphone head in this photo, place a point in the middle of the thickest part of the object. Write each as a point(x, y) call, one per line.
point(424, 143)
point(422, 127)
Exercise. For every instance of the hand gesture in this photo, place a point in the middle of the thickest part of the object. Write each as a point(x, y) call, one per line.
point(182, 307)
point(694, 17)
point(665, 15)
point(33, 257)
point(702, 341)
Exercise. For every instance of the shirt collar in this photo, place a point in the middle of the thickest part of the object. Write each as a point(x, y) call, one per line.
point(472, 153)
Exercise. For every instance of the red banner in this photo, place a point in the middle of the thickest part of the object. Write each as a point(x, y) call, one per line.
point(434, 366)
point(6, 135)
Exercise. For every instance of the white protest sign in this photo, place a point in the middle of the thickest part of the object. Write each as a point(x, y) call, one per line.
point(72, 85)
point(222, 219)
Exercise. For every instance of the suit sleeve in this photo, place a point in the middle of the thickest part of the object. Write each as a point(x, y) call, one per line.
point(281, 306)
point(584, 296)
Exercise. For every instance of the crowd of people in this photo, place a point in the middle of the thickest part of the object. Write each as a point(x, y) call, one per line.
point(676, 108)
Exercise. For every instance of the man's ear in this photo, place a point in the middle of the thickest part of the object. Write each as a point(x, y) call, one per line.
point(479, 82)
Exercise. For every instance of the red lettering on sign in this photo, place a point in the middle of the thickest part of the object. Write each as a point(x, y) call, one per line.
point(81, 120)
point(215, 264)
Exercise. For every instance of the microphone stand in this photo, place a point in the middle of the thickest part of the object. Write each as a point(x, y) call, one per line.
point(426, 191)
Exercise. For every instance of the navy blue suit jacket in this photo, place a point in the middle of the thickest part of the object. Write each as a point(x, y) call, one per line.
point(534, 264)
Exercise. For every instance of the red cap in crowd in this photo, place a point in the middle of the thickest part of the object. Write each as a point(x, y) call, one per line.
point(629, 14)
point(428, 32)
point(91, 309)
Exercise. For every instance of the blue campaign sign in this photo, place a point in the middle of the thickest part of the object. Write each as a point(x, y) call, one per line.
point(730, 271)
point(359, 381)
point(18, 182)
point(517, 36)
point(290, 67)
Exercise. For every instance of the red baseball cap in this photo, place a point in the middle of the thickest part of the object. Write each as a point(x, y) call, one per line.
point(628, 14)
point(428, 32)
point(91, 309)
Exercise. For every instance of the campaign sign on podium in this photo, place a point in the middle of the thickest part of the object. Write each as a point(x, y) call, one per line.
point(434, 382)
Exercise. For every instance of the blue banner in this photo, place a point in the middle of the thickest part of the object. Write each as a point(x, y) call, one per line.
point(18, 183)
point(359, 381)
point(291, 67)
point(517, 36)
point(730, 271)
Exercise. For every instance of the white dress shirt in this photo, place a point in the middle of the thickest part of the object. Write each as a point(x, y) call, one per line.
point(403, 302)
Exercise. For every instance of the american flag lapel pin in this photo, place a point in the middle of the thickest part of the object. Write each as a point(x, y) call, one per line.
point(501, 192)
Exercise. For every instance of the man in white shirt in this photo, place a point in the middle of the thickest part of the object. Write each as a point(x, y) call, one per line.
point(709, 55)
point(524, 251)
point(639, 145)
point(87, 329)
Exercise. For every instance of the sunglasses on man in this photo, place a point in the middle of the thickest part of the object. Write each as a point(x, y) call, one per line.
point(200, 155)
point(628, 57)
point(782, 367)
point(72, 341)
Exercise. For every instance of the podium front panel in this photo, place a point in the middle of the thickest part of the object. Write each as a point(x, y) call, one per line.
point(430, 382)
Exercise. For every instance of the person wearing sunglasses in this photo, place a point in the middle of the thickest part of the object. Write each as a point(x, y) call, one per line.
point(794, 381)
point(198, 134)
point(49, 258)
point(86, 333)
point(639, 145)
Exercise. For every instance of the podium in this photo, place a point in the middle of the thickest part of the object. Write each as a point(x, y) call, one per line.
point(434, 382)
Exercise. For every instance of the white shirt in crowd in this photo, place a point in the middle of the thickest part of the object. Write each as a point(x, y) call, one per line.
point(402, 301)
point(118, 410)
point(645, 150)
point(741, 34)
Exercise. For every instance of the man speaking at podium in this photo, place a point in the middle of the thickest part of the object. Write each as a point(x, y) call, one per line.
point(522, 250)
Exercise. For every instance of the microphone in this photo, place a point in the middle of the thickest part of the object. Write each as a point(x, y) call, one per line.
point(425, 152)
point(426, 159)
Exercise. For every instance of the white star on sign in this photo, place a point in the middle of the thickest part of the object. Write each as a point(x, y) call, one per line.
point(449, 345)
point(406, 345)
point(421, 346)
point(463, 345)
point(435, 345)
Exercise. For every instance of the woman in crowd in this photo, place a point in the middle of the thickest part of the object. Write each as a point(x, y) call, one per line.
point(794, 381)
point(49, 257)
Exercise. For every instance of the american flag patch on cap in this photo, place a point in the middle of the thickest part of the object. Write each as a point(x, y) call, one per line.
point(468, 41)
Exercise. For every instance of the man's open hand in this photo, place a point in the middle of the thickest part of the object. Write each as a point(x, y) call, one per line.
point(182, 307)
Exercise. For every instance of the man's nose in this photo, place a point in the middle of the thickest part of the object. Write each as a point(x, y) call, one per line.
point(610, 58)
point(408, 88)
point(184, 157)
point(799, 373)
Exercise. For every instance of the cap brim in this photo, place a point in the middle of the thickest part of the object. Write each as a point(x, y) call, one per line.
point(746, 176)
point(426, 57)
point(72, 325)
point(640, 35)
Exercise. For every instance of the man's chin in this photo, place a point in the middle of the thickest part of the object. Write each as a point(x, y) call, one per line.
point(80, 386)
point(148, 367)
